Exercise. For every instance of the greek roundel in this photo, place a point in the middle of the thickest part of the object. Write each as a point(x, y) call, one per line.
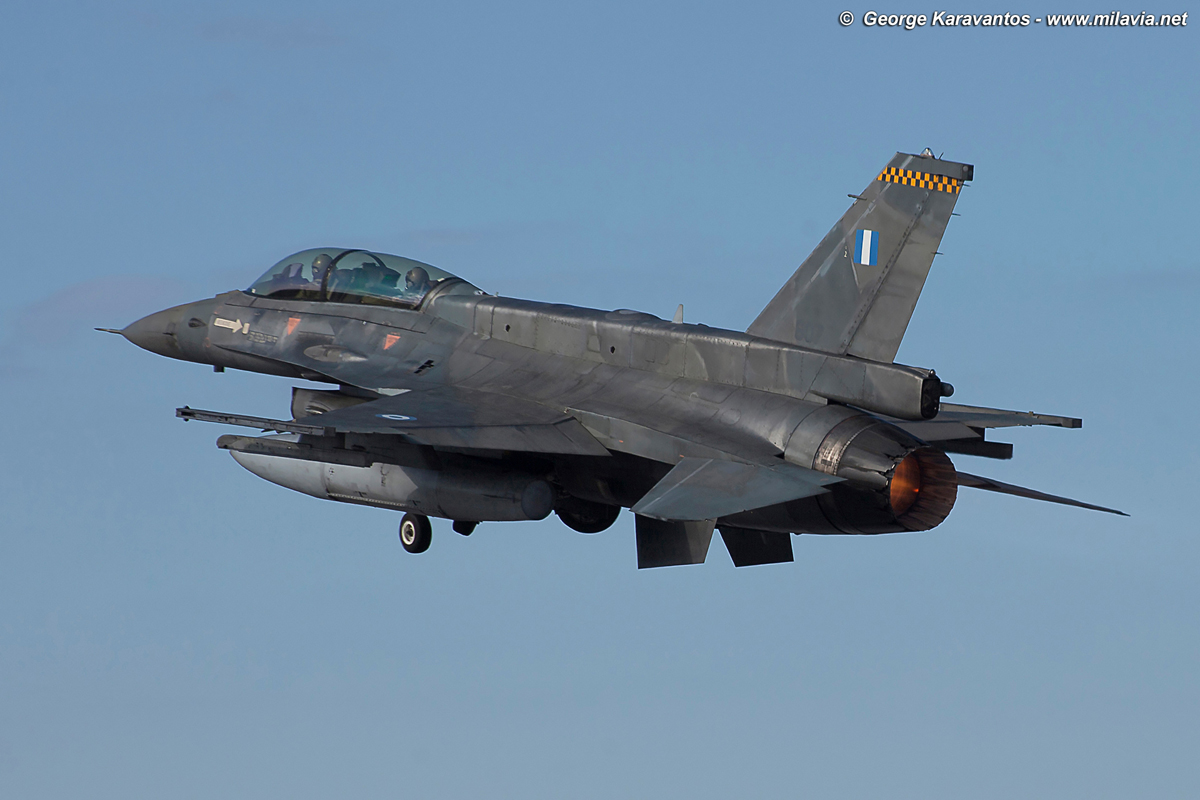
point(866, 247)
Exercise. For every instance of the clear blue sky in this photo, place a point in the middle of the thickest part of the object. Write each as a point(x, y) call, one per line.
point(172, 626)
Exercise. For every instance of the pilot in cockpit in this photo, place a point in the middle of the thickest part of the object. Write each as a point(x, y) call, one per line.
point(320, 266)
point(416, 282)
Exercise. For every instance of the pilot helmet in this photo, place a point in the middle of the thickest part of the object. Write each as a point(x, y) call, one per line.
point(320, 264)
point(417, 279)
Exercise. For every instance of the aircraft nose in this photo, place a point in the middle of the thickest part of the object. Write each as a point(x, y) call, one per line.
point(156, 332)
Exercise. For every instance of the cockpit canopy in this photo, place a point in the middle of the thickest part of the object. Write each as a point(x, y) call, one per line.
point(337, 275)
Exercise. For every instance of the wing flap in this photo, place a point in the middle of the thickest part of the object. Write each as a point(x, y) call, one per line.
point(705, 488)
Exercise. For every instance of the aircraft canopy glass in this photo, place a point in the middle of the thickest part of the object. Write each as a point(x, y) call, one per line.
point(353, 276)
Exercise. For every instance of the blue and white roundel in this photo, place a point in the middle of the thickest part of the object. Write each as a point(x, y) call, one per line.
point(396, 417)
point(866, 247)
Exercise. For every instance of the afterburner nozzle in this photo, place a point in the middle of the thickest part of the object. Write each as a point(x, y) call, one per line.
point(905, 484)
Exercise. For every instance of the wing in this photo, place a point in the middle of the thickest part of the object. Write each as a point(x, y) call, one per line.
point(441, 417)
point(977, 482)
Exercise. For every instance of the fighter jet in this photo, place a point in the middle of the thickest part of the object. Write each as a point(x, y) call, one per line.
point(462, 405)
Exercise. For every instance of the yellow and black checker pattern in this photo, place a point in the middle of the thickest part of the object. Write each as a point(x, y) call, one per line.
point(924, 180)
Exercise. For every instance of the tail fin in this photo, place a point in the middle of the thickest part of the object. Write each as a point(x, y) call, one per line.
point(856, 292)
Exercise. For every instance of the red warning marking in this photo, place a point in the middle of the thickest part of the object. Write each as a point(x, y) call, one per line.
point(391, 339)
point(292, 323)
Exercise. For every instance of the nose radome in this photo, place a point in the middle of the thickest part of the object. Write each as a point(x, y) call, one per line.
point(156, 332)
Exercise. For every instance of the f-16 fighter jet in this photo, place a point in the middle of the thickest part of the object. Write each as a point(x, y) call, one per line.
point(457, 404)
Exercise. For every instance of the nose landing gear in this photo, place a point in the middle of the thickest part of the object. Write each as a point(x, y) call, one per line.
point(415, 533)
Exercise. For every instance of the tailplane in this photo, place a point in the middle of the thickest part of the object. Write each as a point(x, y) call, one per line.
point(855, 293)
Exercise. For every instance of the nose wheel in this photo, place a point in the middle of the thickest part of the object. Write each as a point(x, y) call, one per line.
point(415, 533)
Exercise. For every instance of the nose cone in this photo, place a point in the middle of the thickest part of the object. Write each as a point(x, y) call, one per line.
point(178, 332)
point(156, 332)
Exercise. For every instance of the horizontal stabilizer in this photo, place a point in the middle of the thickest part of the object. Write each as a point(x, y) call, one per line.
point(672, 544)
point(990, 485)
point(960, 429)
point(749, 548)
point(705, 488)
point(981, 417)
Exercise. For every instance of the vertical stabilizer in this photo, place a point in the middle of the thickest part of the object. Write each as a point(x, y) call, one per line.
point(856, 292)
